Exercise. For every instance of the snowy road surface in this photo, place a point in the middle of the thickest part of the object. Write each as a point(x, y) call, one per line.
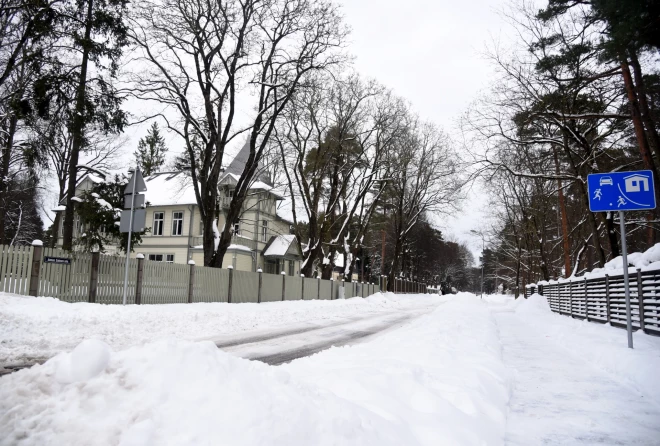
point(281, 346)
point(440, 371)
point(559, 398)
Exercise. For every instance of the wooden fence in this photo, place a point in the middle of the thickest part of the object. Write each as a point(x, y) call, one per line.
point(95, 278)
point(603, 299)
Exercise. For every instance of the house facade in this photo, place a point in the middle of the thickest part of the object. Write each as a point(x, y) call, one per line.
point(261, 238)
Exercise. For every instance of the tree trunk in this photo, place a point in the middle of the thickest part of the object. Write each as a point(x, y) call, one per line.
point(4, 184)
point(77, 131)
point(564, 218)
point(645, 112)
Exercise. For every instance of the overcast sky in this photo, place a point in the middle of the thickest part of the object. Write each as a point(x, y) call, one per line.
point(430, 52)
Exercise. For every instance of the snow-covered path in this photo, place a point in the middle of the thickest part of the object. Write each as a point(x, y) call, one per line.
point(559, 398)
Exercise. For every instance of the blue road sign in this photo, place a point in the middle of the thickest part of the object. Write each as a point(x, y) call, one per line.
point(621, 191)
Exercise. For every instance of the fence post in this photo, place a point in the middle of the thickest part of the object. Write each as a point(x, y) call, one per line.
point(93, 277)
point(318, 288)
point(259, 292)
point(607, 297)
point(302, 288)
point(362, 289)
point(138, 279)
point(343, 286)
point(191, 280)
point(37, 252)
point(640, 300)
point(231, 280)
point(283, 283)
point(332, 286)
point(384, 283)
point(586, 299)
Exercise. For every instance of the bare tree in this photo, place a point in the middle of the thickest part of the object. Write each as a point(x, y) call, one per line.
point(424, 178)
point(334, 140)
point(206, 58)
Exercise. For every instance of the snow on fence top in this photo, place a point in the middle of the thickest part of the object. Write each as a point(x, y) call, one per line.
point(648, 260)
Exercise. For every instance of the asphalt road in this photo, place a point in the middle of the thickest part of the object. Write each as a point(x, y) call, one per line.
point(282, 346)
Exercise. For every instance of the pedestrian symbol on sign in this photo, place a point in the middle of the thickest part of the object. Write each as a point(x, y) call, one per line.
point(597, 194)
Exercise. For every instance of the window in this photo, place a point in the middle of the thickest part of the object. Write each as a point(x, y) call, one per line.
point(237, 228)
point(169, 258)
point(230, 193)
point(159, 218)
point(76, 224)
point(177, 223)
point(201, 228)
point(291, 267)
point(264, 231)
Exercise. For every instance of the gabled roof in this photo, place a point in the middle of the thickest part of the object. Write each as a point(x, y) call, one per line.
point(237, 166)
point(281, 246)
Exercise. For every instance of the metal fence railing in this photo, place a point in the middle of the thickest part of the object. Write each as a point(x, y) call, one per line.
point(602, 299)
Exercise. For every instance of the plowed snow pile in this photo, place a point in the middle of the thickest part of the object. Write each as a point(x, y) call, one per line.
point(439, 380)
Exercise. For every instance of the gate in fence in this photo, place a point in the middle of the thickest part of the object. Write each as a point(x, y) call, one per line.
point(602, 299)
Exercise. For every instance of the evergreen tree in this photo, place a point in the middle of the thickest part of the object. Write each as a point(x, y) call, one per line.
point(150, 154)
point(100, 211)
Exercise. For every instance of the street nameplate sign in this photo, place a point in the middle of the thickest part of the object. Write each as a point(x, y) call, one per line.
point(621, 191)
point(139, 220)
point(140, 185)
point(58, 260)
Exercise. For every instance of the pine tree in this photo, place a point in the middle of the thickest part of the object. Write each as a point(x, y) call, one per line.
point(150, 154)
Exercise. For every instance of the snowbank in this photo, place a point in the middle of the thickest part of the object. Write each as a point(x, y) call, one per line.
point(439, 380)
point(606, 347)
point(39, 328)
point(646, 261)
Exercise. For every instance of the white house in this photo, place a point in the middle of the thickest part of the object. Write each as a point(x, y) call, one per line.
point(261, 238)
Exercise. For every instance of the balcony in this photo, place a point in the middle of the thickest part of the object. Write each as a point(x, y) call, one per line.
point(235, 240)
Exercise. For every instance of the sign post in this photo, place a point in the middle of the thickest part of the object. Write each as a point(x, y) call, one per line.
point(622, 191)
point(135, 184)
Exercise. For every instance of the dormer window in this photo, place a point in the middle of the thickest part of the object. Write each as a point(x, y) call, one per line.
point(230, 193)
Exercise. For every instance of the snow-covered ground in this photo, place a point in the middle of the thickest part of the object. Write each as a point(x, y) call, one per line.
point(39, 328)
point(471, 372)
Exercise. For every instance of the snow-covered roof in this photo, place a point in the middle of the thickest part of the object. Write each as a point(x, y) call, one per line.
point(280, 245)
point(169, 188)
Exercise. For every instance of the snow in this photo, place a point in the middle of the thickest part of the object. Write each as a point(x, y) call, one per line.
point(602, 345)
point(471, 372)
point(216, 235)
point(78, 199)
point(41, 327)
point(648, 260)
point(280, 245)
point(94, 179)
point(87, 360)
point(169, 188)
point(239, 248)
point(61, 208)
point(438, 380)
